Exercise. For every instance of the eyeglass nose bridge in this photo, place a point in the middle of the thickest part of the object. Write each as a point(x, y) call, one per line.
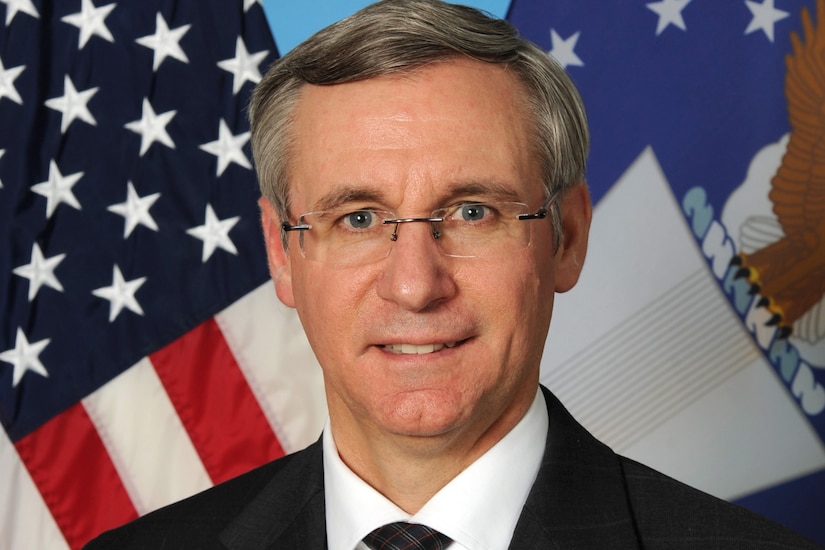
point(398, 221)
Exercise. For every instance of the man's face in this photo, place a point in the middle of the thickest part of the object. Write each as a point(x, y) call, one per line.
point(472, 329)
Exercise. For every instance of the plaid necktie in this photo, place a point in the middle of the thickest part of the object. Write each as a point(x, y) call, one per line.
point(406, 536)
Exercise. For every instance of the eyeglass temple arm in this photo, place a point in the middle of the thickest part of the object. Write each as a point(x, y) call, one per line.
point(542, 211)
point(285, 226)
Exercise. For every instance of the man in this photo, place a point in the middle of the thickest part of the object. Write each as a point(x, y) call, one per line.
point(422, 171)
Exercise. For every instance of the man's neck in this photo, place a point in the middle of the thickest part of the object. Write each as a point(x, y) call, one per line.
point(409, 470)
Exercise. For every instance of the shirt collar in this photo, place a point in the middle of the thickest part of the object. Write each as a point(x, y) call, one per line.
point(478, 509)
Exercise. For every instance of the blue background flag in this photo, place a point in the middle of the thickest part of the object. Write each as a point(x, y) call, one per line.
point(706, 90)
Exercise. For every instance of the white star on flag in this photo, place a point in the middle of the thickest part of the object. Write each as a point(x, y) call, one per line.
point(228, 148)
point(14, 6)
point(121, 294)
point(7, 78)
point(562, 50)
point(165, 42)
point(670, 13)
point(215, 234)
point(765, 17)
point(90, 20)
point(135, 210)
point(152, 127)
point(244, 66)
point(40, 271)
point(25, 357)
point(72, 104)
point(57, 189)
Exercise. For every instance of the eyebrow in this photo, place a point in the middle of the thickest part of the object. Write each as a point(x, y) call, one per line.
point(348, 194)
point(489, 190)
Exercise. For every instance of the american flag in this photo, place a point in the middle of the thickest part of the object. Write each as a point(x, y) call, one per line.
point(138, 325)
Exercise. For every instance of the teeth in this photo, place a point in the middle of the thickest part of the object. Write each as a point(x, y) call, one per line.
point(412, 349)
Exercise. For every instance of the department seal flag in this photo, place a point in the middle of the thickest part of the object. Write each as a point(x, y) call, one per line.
point(695, 340)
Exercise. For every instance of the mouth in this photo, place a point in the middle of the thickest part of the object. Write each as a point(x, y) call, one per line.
point(415, 349)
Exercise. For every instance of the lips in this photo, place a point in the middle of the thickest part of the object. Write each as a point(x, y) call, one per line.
point(415, 349)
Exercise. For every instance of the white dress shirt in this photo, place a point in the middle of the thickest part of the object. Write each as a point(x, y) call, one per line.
point(478, 509)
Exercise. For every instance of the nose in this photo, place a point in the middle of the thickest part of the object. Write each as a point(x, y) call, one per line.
point(415, 273)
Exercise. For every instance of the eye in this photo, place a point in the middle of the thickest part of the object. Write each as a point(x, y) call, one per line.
point(361, 219)
point(473, 212)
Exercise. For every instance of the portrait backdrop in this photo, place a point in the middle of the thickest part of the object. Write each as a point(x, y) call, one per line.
point(144, 355)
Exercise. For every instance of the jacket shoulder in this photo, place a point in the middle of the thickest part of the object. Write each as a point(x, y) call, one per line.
point(198, 521)
point(672, 515)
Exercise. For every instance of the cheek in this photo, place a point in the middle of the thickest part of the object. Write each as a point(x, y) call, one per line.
point(506, 298)
point(524, 304)
point(518, 285)
point(330, 302)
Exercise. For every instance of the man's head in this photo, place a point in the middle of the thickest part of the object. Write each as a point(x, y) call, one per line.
point(429, 333)
point(398, 37)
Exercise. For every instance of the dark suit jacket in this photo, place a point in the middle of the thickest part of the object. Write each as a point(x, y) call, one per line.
point(585, 496)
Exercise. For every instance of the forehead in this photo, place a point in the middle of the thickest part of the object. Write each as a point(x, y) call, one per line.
point(414, 137)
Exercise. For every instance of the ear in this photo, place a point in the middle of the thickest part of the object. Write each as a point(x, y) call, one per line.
point(280, 267)
point(576, 214)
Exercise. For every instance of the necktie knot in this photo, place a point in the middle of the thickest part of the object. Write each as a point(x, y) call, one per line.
point(406, 536)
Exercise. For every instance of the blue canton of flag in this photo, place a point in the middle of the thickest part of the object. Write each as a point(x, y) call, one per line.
point(128, 200)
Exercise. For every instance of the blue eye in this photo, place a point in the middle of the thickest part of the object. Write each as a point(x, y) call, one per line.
point(362, 219)
point(473, 212)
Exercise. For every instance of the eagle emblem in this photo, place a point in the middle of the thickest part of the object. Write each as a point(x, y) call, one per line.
point(789, 270)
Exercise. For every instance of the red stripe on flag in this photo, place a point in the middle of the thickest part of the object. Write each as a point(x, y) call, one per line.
point(215, 404)
point(73, 471)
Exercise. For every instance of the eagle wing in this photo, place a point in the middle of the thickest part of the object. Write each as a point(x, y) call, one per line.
point(798, 188)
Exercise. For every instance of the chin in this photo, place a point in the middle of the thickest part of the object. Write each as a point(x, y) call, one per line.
point(424, 414)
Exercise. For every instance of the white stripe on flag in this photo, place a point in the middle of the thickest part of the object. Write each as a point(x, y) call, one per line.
point(148, 445)
point(272, 351)
point(25, 521)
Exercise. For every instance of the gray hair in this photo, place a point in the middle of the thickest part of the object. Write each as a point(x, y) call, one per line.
point(399, 36)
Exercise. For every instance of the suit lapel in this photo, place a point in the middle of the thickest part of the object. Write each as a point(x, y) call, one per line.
point(288, 512)
point(578, 501)
point(579, 498)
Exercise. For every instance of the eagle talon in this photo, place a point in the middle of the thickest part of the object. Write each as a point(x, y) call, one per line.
point(774, 320)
